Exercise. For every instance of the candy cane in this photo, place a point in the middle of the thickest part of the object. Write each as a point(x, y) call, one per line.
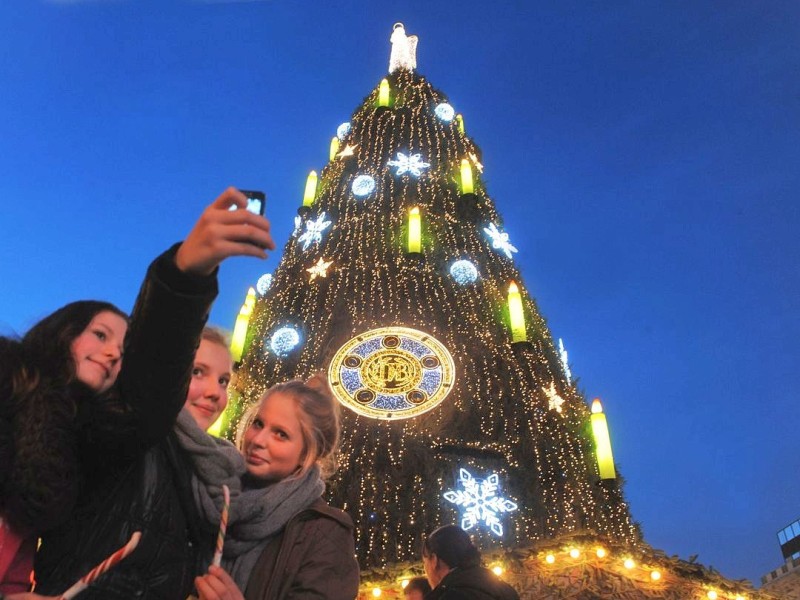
point(104, 566)
point(223, 526)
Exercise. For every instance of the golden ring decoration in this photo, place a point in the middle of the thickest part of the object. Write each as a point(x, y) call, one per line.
point(392, 373)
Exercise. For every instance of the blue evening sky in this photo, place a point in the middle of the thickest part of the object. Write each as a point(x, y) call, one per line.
point(644, 156)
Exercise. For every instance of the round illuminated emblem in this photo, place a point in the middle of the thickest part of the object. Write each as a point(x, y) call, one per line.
point(392, 373)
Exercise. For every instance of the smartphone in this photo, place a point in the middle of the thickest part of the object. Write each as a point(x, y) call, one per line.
point(256, 201)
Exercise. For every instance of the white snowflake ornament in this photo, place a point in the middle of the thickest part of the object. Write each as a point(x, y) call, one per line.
point(480, 501)
point(409, 164)
point(499, 240)
point(313, 232)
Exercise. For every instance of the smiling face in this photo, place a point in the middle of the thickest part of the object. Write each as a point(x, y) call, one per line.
point(97, 351)
point(208, 389)
point(273, 444)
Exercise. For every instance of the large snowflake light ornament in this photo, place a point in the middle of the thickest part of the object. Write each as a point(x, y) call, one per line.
point(314, 229)
point(499, 240)
point(409, 164)
point(480, 501)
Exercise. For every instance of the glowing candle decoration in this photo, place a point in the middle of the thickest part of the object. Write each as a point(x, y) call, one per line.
point(240, 328)
point(383, 93)
point(460, 121)
point(334, 148)
point(311, 189)
point(467, 186)
point(414, 231)
point(605, 459)
point(518, 333)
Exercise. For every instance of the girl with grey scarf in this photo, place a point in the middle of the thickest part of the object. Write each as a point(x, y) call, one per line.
point(286, 445)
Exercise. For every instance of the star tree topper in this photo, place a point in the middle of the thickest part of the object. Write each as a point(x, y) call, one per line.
point(314, 229)
point(554, 400)
point(480, 501)
point(412, 164)
point(319, 270)
point(499, 240)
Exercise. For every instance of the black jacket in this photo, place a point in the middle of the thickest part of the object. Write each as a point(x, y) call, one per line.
point(134, 475)
point(472, 583)
point(313, 557)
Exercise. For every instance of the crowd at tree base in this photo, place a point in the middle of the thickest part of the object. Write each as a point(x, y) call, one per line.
point(583, 566)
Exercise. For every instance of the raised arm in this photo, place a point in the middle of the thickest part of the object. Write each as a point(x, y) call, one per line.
point(168, 319)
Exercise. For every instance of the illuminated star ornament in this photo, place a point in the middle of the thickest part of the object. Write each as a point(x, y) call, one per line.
point(409, 164)
point(298, 224)
point(499, 240)
point(313, 232)
point(319, 270)
point(480, 501)
point(349, 150)
point(554, 400)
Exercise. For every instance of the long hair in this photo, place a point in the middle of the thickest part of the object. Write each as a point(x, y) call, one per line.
point(47, 344)
point(38, 406)
point(318, 413)
point(453, 546)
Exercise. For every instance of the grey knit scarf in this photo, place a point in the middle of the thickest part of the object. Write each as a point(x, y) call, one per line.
point(256, 513)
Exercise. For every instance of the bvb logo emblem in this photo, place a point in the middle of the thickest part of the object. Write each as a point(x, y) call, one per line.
point(391, 373)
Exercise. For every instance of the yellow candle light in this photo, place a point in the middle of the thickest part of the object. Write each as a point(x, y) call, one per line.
point(518, 333)
point(311, 189)
point(605, 459)
point(467, 186)
point(334, 147)
point(383, 93)
point(460, 121)
point(414, 231)
point(240, 328)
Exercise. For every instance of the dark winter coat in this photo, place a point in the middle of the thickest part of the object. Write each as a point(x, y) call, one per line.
point(472, 583)
point(313, 557)
point(134, 476)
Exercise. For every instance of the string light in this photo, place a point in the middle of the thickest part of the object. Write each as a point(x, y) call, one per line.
point(494, 419)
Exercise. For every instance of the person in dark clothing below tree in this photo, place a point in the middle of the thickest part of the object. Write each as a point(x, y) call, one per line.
point(453, 567)
point(416, 589)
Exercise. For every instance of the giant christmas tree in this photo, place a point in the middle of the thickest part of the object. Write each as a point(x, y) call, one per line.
point(399, 282)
